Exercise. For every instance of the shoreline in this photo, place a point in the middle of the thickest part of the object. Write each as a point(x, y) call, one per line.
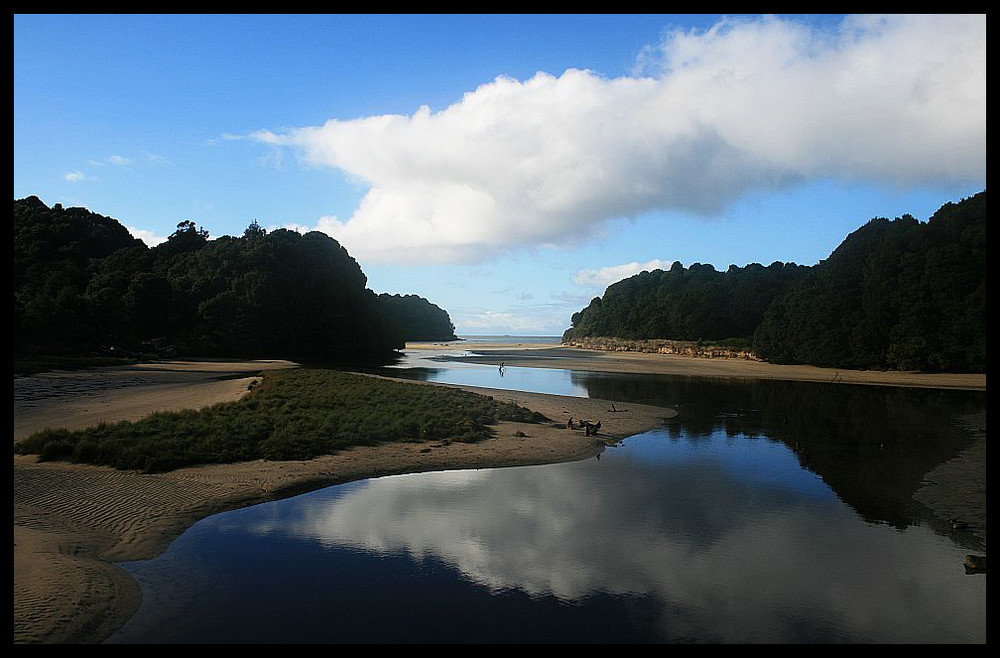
point(72, 522)
point(543, 355)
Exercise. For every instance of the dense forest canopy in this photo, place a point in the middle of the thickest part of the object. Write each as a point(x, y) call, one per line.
point(82, 284)
point(416, 318)
point(899, 294)
point(695, 303)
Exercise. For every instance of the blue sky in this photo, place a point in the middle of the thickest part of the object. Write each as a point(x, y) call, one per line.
point(508, 168)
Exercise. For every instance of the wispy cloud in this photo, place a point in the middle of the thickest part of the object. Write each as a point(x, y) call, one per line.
point(75, 176)
point(116, 160)
point(156, 160)
point(604, 276)
point(747, 105)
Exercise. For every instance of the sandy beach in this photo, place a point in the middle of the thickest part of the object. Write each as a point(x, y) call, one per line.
point(72, 522)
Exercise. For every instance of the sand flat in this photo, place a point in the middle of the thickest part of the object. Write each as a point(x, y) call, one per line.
point(77, 399)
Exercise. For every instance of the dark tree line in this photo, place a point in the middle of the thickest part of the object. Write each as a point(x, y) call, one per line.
point(691, 304)
point(82, 283)
point(416, 318)
point(899, 294)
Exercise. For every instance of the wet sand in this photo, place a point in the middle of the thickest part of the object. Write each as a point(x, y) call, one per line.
point(72, 522)
point(956, 489)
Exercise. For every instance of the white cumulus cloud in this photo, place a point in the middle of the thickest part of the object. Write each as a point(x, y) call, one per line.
point(745, 106)
point(604, 276)
point(150, 238)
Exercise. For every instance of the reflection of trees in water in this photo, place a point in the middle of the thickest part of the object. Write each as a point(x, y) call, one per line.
point(420, 373)
point(871, 444)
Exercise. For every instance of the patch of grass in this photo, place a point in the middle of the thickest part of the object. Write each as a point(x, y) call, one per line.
point(293, 414)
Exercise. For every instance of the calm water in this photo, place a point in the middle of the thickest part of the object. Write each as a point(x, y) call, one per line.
point(765, 512)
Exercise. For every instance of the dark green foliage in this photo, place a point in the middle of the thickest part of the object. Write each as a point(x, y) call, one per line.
point(898, 294)
point(82, 284)
point(293, 414)
point(415, 318)
point(697, 303)
point(56, 254)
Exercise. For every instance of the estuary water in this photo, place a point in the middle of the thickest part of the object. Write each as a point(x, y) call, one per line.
point(765, 512)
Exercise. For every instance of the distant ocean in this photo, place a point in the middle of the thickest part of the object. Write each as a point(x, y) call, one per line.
point(554, 340)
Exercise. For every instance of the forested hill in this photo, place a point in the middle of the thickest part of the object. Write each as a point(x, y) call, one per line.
point(83, 284)
point(896, 294)
point(688, 304)
point(416, 318)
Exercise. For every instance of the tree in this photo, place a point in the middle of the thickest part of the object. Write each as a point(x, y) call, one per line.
point(81, 281)
point(254, 232)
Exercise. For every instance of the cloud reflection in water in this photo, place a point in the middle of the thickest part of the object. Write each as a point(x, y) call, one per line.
point(730, 558)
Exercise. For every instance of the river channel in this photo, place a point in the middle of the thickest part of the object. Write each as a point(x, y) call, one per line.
point(764, 512)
